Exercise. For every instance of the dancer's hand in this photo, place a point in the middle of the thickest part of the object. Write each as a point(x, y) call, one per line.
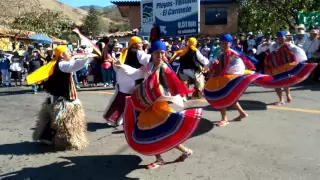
point(117, 64)
point(143, 69)
point(215, 62)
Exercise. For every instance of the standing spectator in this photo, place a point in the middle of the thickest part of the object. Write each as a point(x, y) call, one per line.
point(155, 33)
point(145, 46)
point(300, 38)
point(106, 70)
point(16, 68)
point(312, 44)
point(49, 56)
point(34, 64)
point(236, 44)
point(27, 55)
point(4, 67)
point(251, 41)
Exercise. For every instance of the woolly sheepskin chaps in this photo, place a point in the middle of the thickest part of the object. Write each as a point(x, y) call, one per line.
point(68, 120)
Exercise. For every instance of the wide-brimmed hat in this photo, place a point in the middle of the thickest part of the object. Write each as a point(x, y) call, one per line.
point(301, 26)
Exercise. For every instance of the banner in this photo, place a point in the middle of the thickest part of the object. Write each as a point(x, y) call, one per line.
point(309, 19)
point(147, 18)
point(177, 17)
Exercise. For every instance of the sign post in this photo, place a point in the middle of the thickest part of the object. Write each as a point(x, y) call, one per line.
point(147, 17)
point(177, 17)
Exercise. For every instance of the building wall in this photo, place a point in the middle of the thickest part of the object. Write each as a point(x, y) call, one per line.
point(212, 30)
point(133, 13)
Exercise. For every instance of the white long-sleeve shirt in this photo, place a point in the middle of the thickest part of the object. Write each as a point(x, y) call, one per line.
point(127, 75)
point(311, 46)
point(73, 65)
point(202, 59)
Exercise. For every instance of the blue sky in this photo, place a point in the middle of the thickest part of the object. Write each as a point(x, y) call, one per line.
point(76, 3)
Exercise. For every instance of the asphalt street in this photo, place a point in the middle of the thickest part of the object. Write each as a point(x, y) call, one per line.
point(273, 143)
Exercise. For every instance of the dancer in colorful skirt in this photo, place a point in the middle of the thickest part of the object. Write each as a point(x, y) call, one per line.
point(286, 64)
point(229, 81)
point(191, 66)
point(150, 125)
point(131, 59)
point(61, 119)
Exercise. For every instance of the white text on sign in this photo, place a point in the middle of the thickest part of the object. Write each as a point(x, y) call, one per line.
point(187, 24)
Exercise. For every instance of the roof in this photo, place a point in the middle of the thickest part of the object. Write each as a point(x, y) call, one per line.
point(123, 34)
point(21, 34)
point(137, 2)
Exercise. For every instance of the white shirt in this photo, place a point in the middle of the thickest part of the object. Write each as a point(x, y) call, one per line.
point(300, 43)
point(73, 65)
point(127, 75)
point(311, 46)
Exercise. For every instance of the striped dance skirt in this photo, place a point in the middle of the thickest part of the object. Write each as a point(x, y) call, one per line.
point(158, 129)
point(287, 75)
point(223, 91)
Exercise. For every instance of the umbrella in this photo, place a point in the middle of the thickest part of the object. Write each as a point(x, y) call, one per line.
point(41, 38)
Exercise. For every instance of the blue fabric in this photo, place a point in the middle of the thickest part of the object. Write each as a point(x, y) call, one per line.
point(293, 72)
point(226, 90)
point(250, 58)
point(168, 128)
point(227, 38)
point(158, 45)
point(281, 34)
point(4, 63)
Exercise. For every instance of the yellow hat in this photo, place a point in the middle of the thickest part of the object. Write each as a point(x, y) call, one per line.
point(192, 42)
point(60, 50)
point(134, 40)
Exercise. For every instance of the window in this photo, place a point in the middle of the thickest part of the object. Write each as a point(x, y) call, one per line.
point(216, 16)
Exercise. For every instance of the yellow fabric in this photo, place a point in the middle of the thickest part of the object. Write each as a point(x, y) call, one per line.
point(192, 44)
point(155, 115)
point(248, 72)
point(47, 70)
point(134, 40)
point(281, 69)
point(216, 83)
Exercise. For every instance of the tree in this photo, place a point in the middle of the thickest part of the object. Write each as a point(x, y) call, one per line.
point(91, 24)
point(272, 15)
point(43, 21)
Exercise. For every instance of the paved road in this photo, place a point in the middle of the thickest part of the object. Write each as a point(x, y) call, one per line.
point(273, 143)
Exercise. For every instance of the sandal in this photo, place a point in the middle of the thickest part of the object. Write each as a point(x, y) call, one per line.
point(240, 117)
point(184, 156)
point(289, 99)
point(223, 123)
point(279, 103)
point(156, 164)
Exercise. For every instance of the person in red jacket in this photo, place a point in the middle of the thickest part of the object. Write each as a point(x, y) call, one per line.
point(155, 33)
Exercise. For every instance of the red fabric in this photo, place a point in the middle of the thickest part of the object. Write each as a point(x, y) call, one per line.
point(190, 123)
point(236, 92)
point(150, 90)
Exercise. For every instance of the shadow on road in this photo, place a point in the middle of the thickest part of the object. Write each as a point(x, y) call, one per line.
point(82, 167)
point(24, 148)
point(15, 92)
point(247, 105)
point(205, 126)
point(305, 86)
point(94, 126)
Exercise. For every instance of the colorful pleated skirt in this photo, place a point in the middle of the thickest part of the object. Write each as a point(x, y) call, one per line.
point(287, 75)
point(158, 129)
point(223, 91)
